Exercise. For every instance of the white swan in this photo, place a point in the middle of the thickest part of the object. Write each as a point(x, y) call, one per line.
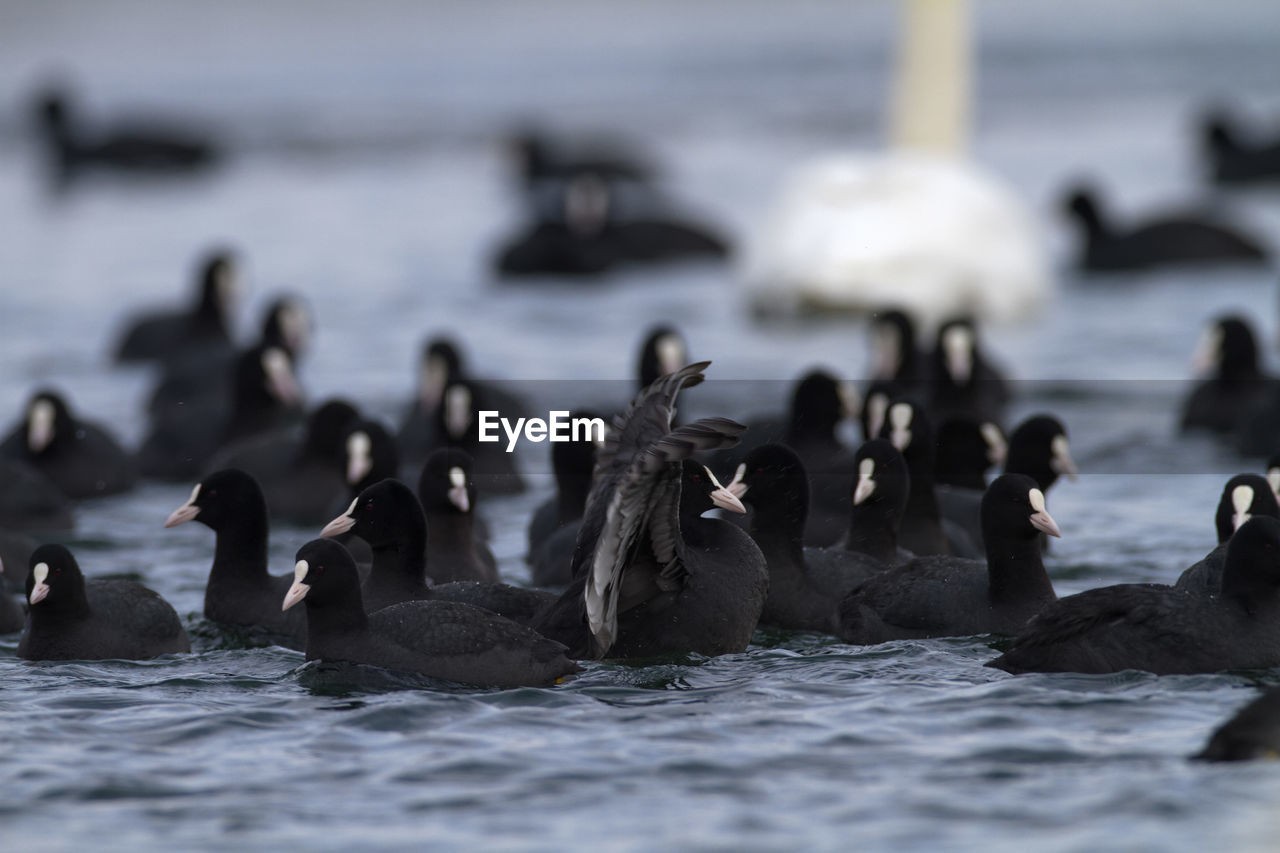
point(919, 228)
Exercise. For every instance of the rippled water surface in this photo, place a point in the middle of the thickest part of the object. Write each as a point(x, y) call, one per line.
point(368, 177)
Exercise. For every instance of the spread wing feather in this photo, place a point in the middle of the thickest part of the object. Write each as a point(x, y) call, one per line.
point(630, 546)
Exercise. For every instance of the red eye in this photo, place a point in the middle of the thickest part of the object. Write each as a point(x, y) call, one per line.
point(319, 570)
point(57, 571)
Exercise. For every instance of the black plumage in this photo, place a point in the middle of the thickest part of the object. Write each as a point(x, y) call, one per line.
point(441, 639)
point(947, 596)
point(71, 618)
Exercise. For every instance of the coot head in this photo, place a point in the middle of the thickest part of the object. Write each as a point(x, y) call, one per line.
point(893, 344)
point(380, 514)
point(1228, 350)
point(701, 490)
point(910, 430)
point(1039, 449)
point(55, 582)
point(48, 421)
point(663, 352)
point(324, 574)
point(369, 454)
point(226, 497)
point(771, 476)
point(446, 484)
point(1082, 202)
point(881, 478)
point(218, 289)
point(1013, 509)
point(327, 429)
point(819, 402)
point(1243, 497)
point(441, 363)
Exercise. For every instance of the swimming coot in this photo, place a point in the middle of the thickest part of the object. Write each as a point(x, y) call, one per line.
point(71, 618)
point(962, 379)
point(947, 596)
point(138, 149)
point(240, 591)
point(202, 328)
point(448, 496)
point(1166, 242)
point(80, 457)
point(1232, 157)
point(805, 584)
point(441, 639)
point(652, 577)
point(1243, 497)
point(1231, 384)
point(910, 430)
point(388, 516)
point(1163, 629)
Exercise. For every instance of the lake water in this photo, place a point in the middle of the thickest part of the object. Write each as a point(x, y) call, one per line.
point(367, 175)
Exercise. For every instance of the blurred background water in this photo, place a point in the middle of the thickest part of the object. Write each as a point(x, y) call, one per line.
point(366, 172)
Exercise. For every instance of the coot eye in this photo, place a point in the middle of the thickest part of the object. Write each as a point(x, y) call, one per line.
point(319, 570)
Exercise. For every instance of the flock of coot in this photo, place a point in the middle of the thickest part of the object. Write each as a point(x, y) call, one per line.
point(899, 537)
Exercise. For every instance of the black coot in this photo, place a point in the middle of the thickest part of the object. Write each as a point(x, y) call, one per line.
point(1166, 242)
point(895, 356)
point(303, 477)
point(441, 364)
point(388, 516)
point(1243, 497)
point(137, 149)
point(265, 396)
point(202, 329)
point(74, 619)
point(963, 381)
point(946, 596)
point(805, 584)
point(80, 457)
point(1234, 158)
point(1233, 383)
point(240, 591)
point(910, 430)
point(652, 577)
point(1163, 629)
point(448, 496)
point(1038, 447)
point(441, 639)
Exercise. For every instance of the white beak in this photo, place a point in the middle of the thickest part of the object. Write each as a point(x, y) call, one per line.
point(341, 524)
point(722, 497)
point(41, 589)
point(186, 512)
point(40, 426)
point(866, 481)
point(1040, 519)
point(297, 590)
point(359, 462)
point(736, 487)
point(1062, 463)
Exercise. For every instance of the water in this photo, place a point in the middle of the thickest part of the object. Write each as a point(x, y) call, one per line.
point(368, 178)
